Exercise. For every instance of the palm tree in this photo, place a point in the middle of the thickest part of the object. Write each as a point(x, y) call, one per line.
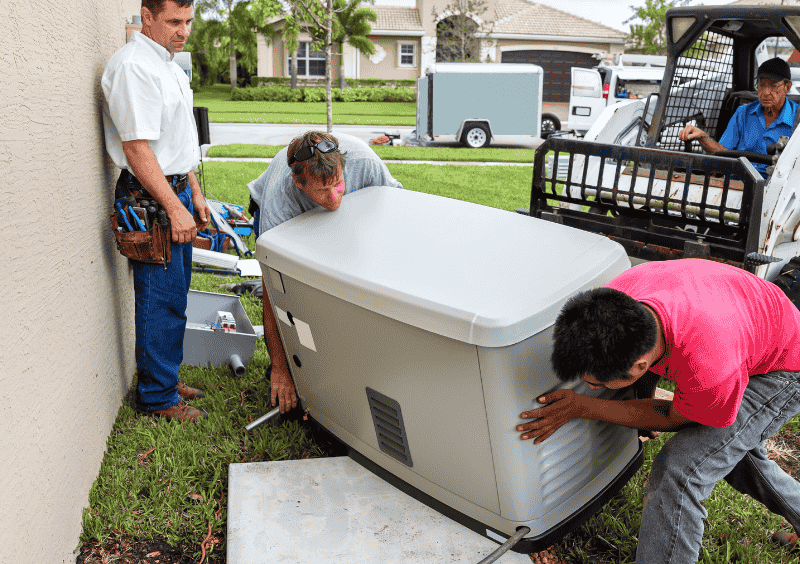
point(352, 25)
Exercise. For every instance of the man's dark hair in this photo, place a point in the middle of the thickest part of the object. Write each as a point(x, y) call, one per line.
point(601, 333)
point(321, 165)
point(157, 6)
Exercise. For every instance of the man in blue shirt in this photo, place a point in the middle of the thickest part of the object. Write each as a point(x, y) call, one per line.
point(758, 124)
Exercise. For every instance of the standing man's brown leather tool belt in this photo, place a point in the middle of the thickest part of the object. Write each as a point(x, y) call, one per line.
point(142, 230)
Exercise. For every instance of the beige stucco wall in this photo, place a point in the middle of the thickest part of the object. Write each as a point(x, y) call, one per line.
point(384, 63)
point(66, 358)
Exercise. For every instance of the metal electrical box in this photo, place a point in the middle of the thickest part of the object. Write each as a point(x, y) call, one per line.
point(418, 328)
point(205, 342)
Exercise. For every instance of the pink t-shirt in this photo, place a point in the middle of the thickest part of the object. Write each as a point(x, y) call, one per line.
point(722, 325)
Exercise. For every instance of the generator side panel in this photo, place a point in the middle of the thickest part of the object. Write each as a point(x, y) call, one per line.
point(510, 101)
point(568, 469)
point(348, 361)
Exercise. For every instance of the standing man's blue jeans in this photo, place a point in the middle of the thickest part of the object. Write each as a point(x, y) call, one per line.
point(161, 322)
point(695, 459)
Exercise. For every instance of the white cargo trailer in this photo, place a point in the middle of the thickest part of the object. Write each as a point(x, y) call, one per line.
point(478, 101)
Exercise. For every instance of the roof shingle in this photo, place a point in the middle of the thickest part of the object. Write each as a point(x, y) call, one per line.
point(528, 18)
point(393, 18)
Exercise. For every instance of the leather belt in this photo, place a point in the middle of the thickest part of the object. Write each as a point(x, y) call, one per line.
point(177, 182)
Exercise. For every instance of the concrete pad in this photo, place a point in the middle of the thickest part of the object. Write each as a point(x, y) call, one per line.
point(331, 511)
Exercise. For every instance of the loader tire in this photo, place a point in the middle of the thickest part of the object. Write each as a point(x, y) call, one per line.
point(789, 281)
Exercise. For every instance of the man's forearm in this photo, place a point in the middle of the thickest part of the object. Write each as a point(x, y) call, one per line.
point(710, 146)
point(645, 414)
point(194, 184)
point(277, 355)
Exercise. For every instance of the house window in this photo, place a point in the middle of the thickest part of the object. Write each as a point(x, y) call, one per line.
point(310, 62)
point(406, 54)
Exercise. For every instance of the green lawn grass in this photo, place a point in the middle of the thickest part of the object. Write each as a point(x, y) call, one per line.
point(499, 187)
point(389, 153)
point(165, 478)
point(222, 110)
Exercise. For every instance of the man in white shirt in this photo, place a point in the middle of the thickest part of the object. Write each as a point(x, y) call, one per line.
point(151, 135)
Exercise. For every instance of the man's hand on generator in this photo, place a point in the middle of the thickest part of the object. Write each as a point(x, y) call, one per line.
point(282, 391)
point(562, 406)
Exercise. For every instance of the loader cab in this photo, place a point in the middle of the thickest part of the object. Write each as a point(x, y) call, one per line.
point(713, 55)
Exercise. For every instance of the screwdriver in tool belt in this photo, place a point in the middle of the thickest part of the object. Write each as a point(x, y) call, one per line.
point(122, 216)
point(162, 221)
point(132, 204)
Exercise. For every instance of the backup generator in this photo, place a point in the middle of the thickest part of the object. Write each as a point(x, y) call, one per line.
point(417, 328)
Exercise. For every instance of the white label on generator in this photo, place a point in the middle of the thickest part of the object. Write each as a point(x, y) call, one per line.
point(304, 334)
point(282, 316)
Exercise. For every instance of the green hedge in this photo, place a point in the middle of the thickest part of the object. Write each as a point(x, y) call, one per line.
point(320, 82)
point(278, 93)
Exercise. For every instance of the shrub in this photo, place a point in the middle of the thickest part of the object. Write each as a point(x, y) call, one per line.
point(355, 94)
point(281, 93)
point(313, 94)
point(403, 95)
point(267, 80)
point(379, 94)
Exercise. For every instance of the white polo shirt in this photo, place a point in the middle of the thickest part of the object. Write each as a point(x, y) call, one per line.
point(147, 96)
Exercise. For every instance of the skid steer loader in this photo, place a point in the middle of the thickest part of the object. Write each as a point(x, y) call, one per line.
point(630, 178)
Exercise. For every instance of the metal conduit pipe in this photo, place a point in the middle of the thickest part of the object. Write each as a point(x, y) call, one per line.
point(263, 419)
point(235, 362)
point(506, 546)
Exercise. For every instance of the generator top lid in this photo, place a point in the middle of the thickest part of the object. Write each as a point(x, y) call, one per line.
point(469, 272)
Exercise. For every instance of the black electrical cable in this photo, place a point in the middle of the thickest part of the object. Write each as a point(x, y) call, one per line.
point(506, 546)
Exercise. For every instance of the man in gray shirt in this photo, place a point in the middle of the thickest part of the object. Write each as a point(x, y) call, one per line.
point(315, 170)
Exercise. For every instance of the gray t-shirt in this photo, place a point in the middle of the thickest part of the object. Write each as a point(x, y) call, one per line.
point(279, 199)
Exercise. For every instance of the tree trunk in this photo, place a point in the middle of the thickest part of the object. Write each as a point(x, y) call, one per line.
point(342, 83)
point(234, 82)
point(328, 77)
point(294, 69)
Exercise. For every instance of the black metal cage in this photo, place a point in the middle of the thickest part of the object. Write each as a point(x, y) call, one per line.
point(656, 203)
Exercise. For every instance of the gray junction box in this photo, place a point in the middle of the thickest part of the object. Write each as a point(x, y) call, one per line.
point(418, 328)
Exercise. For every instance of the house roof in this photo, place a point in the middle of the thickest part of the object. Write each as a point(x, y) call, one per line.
point(766, 2)
point(512, 17)
point(522, 17)
point(393, 18)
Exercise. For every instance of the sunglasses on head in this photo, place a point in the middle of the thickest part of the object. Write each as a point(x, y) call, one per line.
point(305, 153)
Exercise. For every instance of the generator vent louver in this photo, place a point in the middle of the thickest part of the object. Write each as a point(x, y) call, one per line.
point(389, 428)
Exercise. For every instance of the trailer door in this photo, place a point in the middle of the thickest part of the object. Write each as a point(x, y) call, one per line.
point(586, 99)
point(423, 108)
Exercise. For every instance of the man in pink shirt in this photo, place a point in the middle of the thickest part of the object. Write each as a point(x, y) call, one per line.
point(731, 343)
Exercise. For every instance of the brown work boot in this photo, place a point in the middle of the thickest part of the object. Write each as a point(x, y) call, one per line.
point(189, 393)
point(182, 412)
point(784, 538)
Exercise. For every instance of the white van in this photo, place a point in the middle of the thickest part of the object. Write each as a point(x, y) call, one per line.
point(592, 90)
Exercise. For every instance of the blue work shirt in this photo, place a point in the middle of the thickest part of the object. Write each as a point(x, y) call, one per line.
point(746, 130)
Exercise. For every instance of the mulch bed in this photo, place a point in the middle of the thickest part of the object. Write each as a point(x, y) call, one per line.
point(127, 550)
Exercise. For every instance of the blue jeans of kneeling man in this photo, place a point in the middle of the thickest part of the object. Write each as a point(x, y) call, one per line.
point(160, 319)
point(695, 459)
